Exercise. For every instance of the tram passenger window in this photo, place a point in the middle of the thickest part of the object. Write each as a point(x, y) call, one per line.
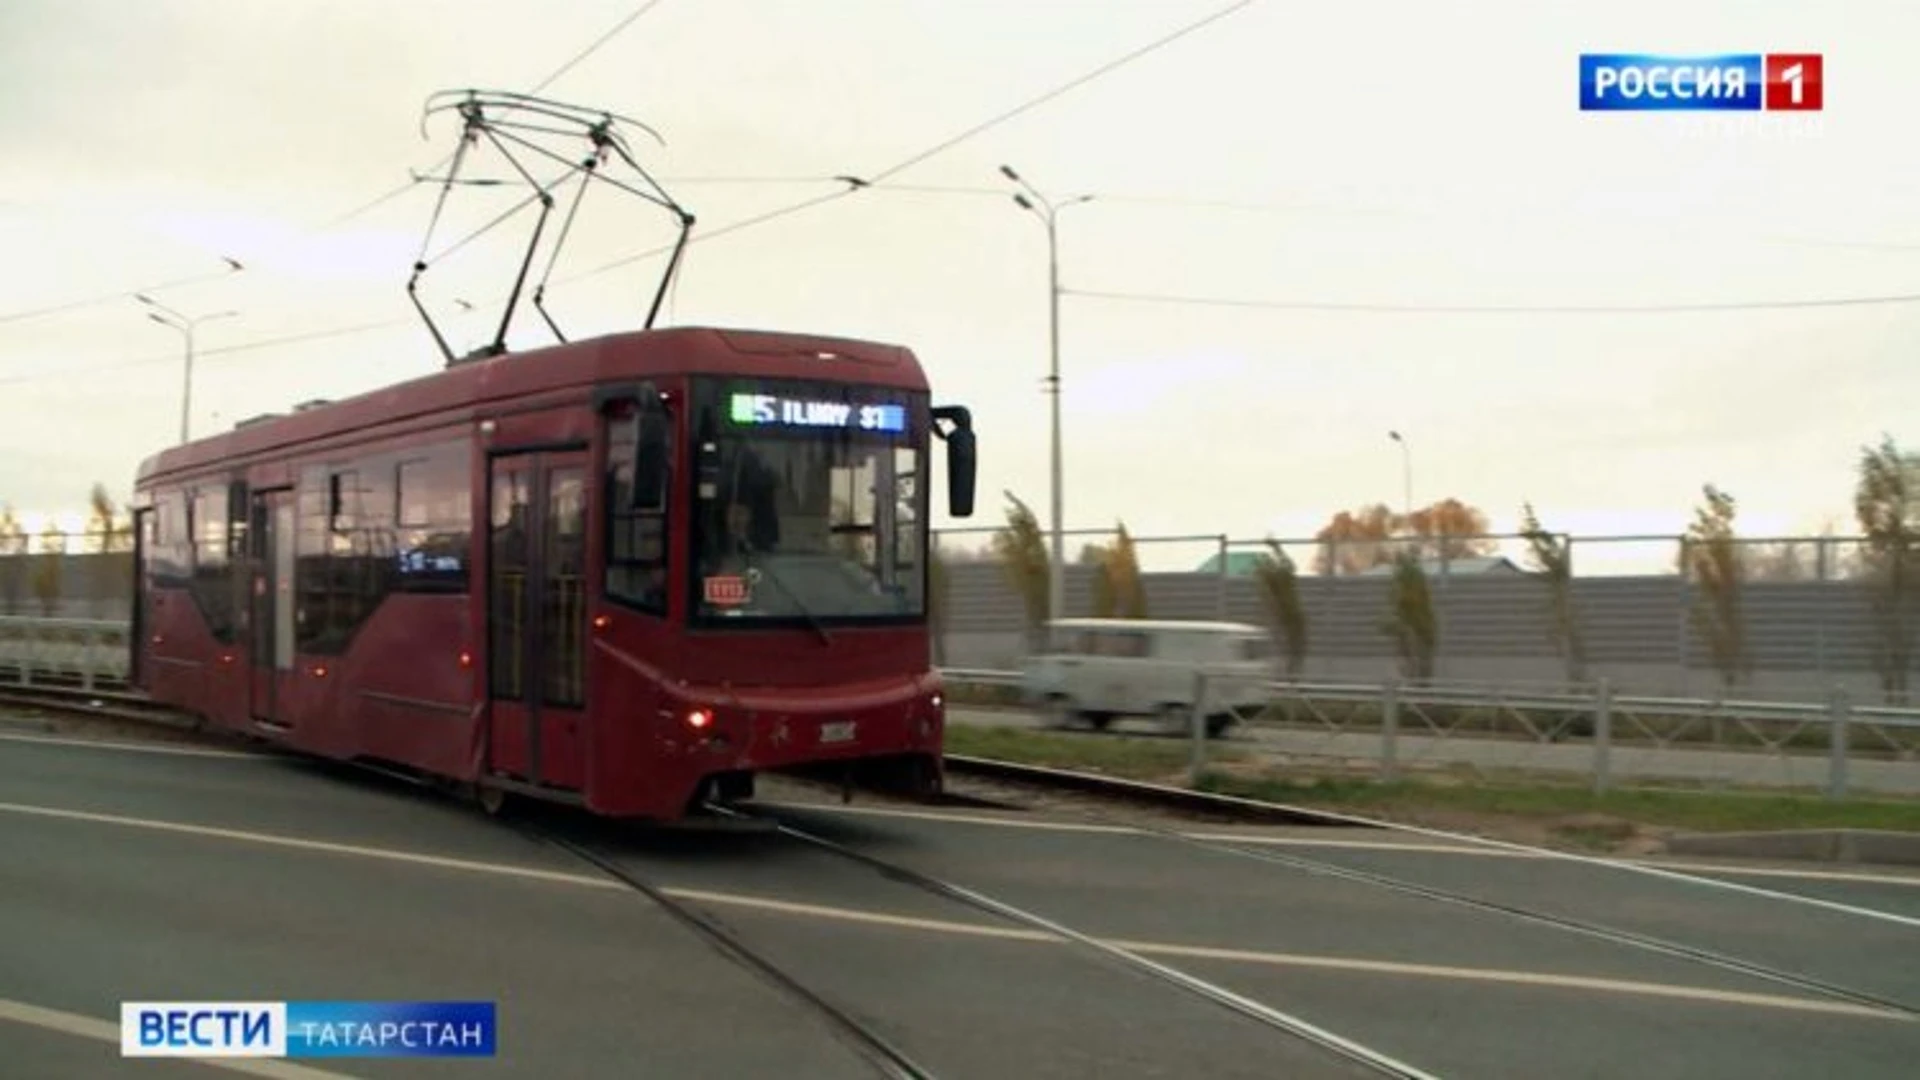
point(411, 484)
point(636, 540)
point(343, 499)
point(211, 576)
point(172, 549)
point(906, 524)
point(236, 516)
point(433, 508)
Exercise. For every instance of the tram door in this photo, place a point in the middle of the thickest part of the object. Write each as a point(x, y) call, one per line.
point(137, 623)
point(270, 600)
point(537, 617)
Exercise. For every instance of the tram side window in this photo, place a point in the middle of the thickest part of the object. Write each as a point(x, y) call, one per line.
point(314, 616)
point(376, 526)
point(433, 511)
point(636, 540)
point(212, 574)
point(171, 558)
point(363, 550)
point(360, 524)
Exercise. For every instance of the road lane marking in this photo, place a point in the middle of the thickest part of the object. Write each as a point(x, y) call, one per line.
point(443, 862)
point(965, 819)
point(133, 748)
point(1844, 876)
point(1703, 995)
point(1279, 959)
point(88, 1027)
point(1412, 847)
point(872, 918)
point(1494, 853)
point(1518, 978)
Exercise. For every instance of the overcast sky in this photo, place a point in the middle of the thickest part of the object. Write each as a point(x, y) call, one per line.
point(1389, 153)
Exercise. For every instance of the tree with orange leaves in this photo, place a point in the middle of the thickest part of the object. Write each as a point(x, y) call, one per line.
point(1355, 541)
point(1449, 529)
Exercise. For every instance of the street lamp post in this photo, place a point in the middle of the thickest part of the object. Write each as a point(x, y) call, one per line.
point(166, 316)
point(1048, 212)
point(1406, 473)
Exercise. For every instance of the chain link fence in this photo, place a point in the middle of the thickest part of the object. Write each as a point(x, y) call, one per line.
point(1789, 618)
point(67, 575)
point(1782, 618)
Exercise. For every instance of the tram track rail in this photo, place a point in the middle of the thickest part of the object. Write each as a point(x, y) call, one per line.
point(1352, 1051)
point(1123, 791)
point(1611, 935)
point(102, 704)
point(890, 1059)
point(1180, 799)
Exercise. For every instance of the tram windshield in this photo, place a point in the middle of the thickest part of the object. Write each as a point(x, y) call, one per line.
point(809, 502)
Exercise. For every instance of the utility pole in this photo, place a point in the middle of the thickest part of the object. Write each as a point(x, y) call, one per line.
point(1406, 474)
point(166, 316)
point(1048, 212)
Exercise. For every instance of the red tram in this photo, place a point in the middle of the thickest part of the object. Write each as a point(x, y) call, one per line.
point(627, 573)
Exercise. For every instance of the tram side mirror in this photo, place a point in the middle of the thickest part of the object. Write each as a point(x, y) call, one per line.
point(652, 430)
point(960, 473)
point(961, 463)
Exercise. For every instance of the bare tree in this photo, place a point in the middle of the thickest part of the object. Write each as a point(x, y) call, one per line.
point(1279, 583)
point(1411, 621)
point(1104, 600)
point(1552, 556)
point(1783, 560)
point(1710, 558)
point(1887, 504)
point(108, 531)
point(1121, 569)
point(1022, 550)
point(47, 568)
point(13, 559)
point(938, 586)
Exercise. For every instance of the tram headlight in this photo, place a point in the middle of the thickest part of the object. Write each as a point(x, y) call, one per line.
point(699, 719)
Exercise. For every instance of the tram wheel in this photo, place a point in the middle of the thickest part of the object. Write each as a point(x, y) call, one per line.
point(492, 800)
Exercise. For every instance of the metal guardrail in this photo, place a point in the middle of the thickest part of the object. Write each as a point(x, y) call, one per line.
point(1562, 699)
point(1478, 724)
point(90, 651)
point(1394, 723)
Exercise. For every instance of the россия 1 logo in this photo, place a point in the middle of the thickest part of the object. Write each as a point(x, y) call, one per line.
point(1736, 82)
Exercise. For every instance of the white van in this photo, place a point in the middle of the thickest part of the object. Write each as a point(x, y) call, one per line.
point(1100, 669)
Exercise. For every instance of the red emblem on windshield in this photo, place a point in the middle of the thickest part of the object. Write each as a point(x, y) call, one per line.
point(726, 590)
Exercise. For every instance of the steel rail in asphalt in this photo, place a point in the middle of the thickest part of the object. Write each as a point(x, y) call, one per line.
point(1219, 995)
point(892, 1060)
point(1161, 795)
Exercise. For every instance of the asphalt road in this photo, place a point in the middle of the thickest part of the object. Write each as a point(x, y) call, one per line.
point(1412, 749)
point(592, 980)
point(167, 876)
point(1457, 991)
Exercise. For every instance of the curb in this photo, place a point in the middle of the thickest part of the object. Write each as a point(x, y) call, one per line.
point(1880, 846)
point(1868, 846)
point(1139, 790)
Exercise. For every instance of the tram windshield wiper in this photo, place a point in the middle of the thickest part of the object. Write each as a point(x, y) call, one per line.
point(767, 571)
